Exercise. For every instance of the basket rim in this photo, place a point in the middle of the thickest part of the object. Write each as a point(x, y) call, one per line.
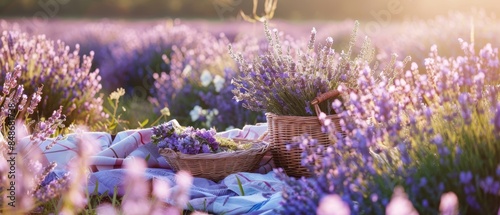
point(261, 149)
point(330, 116)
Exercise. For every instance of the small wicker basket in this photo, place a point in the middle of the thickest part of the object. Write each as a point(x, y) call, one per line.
point(216, 166)
point(283, 128)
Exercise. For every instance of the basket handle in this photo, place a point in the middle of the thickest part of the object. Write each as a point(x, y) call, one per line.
point(323, 97)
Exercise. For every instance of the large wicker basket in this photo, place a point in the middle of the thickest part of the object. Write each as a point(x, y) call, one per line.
point(283, 128)
point(216, 166)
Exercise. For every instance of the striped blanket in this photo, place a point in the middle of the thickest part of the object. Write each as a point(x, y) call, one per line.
point(262, 189)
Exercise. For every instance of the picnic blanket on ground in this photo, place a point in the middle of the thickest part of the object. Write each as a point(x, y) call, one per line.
point(262, 188)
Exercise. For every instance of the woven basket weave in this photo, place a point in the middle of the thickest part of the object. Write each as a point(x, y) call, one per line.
point(216, 166)
point(283, 128)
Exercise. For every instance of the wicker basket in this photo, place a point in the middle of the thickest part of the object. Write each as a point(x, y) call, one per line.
point(283, 128)
point(216, 166)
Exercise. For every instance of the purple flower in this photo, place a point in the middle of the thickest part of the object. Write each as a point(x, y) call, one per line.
point(308, 108)
point(205, 149)
point(465, 177)
point(185, 140)
point(438, 139)
point(489, 185)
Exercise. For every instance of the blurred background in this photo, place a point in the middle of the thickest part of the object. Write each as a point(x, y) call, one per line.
point(229, 9)
point(160, 50)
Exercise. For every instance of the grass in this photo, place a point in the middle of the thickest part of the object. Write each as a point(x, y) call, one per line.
point(128, 113)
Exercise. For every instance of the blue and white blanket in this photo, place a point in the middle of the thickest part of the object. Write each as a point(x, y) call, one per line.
point(262, 189)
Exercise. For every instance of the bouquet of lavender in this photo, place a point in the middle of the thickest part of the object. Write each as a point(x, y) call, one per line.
point(189, 140)
point(284, 83)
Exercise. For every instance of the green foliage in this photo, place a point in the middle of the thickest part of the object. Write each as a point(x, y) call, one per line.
point(121, 115)
point(466, 147)
point(227, 144)
point(242, 191)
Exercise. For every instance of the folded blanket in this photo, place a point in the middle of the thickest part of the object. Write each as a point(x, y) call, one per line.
point(262, 189)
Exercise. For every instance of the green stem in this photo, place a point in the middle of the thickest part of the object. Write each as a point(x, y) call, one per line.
point(158, 119)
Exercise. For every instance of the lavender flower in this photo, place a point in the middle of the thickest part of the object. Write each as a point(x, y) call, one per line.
point(52, 190)
point(185, 140)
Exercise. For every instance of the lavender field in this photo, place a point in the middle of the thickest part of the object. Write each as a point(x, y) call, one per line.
point(88, 105)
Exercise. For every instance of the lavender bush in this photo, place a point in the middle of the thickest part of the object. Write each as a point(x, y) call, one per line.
point(143, 52)
point(429, 133)
point(102, 38)
point(197, 90)
point(137, 55)
point(49, 67)
point(136, 48)
point(477, 26)
point(34, 194)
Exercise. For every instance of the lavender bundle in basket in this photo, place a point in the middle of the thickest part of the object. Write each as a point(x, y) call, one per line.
point(284, 80)
point(189, 140)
